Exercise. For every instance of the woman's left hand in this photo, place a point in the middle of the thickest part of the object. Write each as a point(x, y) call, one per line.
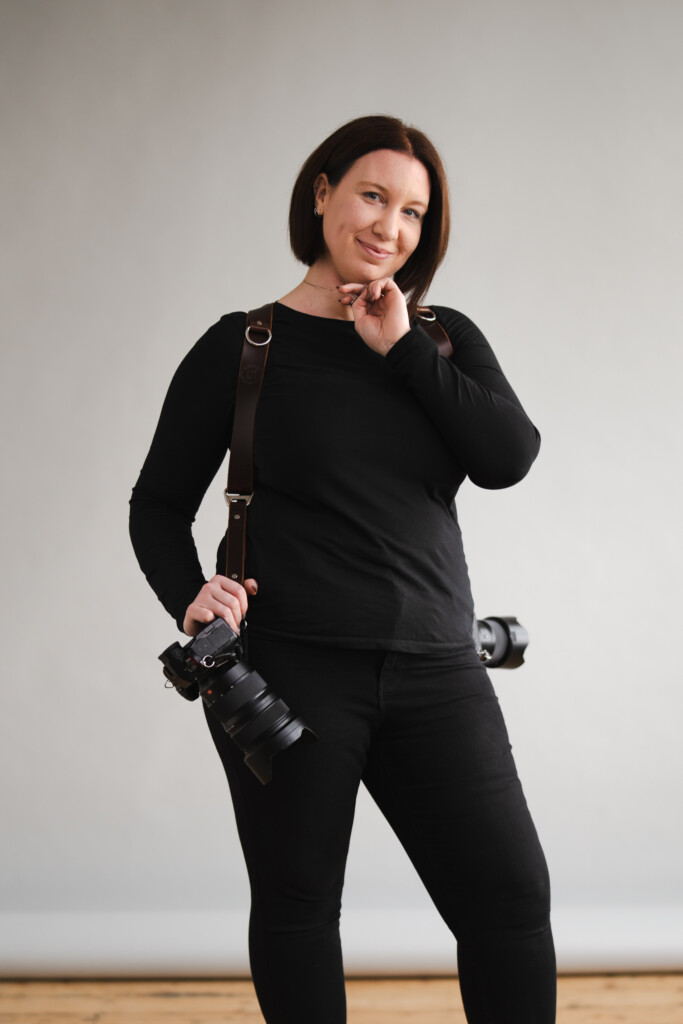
point(379, 312)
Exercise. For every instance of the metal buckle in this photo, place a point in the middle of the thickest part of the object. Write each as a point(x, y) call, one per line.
point(230, 498)
point(259, 327)
point(424, 310)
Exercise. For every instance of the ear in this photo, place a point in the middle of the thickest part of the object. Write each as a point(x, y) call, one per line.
point(321, 189)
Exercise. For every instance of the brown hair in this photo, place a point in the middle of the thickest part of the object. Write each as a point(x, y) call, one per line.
point(335, 156)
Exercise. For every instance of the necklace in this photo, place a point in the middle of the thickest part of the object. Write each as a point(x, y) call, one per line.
point(322, 287)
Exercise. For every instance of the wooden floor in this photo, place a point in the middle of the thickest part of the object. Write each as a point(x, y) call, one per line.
point(609, 999)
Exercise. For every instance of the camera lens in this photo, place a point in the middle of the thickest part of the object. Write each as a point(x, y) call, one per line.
point(501, 641)
point(255, 719)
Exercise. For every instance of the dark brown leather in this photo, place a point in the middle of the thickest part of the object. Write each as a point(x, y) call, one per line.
point(240, 487)
point(436, 332)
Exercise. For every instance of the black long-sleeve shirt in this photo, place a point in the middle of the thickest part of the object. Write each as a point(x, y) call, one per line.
point(352, 533)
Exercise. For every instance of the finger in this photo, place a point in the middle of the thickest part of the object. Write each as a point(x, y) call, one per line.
point(354, 293)
point(207, 612)
point(350, 293)
point(375, 293)
point(212, 602)
point(347, 289)
point(220, 597)
point(361, 296)
point(380, 288)
point(229, 589)
point(196, 618)
point(230, 608)
point(359, 304)
point(251, 587)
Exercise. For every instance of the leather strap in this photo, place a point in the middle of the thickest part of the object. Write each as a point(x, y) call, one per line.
point(240, 489)
point(436, 332)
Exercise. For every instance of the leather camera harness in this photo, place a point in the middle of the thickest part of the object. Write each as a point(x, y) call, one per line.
point(240, 488)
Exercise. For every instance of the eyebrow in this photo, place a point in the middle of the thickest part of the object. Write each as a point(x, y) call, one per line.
point(383, 188)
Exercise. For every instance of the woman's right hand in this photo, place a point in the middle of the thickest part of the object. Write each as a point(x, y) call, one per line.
point(219, 598)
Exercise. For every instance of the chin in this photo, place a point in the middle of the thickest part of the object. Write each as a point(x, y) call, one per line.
point(371, 272)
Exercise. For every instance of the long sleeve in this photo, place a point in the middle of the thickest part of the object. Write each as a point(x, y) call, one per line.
point(469, 401)
point(189, 445)
point(353, 535)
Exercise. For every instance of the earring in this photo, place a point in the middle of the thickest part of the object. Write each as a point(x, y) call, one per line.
point(315, 211)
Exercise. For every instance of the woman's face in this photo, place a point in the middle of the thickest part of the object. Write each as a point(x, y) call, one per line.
point(372, 219)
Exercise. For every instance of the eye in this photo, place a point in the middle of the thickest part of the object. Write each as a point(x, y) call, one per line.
point(373, 196)
point(414, 214)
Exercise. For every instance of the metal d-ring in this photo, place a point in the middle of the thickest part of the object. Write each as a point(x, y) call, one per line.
point(258, 344)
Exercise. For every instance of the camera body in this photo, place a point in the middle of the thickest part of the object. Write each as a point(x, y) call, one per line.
point(212, 666)
point(186, 667)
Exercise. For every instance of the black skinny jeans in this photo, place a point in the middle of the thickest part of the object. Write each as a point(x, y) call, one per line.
point(426, 736)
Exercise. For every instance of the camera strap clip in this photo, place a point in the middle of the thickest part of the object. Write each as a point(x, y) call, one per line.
point(229, 498)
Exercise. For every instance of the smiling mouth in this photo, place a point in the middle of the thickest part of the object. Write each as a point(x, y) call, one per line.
point(380, 254)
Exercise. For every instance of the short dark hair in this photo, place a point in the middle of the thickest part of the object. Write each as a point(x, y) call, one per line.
point(335, 156)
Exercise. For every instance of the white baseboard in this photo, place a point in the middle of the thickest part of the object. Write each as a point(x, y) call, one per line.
point(392, 942)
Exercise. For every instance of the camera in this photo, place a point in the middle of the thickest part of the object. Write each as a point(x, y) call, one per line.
point(500, 641)
point(212, 666)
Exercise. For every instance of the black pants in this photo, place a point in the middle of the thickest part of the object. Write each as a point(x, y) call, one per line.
point(426, 736)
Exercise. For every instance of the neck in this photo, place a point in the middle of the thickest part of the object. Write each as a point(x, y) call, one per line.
point(317, 294)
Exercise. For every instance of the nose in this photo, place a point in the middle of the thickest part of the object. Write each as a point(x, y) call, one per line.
point(386, 225)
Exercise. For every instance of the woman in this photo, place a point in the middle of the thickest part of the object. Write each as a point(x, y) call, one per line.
point(360, 611)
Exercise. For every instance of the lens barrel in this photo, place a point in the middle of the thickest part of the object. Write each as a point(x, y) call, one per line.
point(501, 641)
point(260, 723)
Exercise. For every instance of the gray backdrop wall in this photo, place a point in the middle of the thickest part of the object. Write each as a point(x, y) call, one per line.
point(149, 150)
